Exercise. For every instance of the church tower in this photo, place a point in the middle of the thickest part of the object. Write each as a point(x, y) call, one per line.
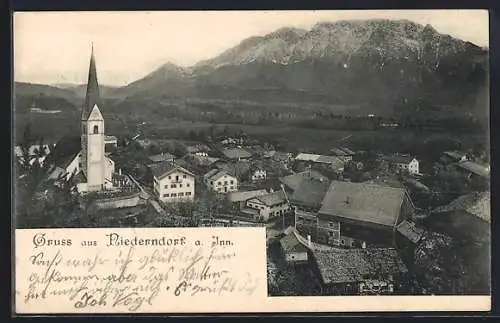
point(92, 157)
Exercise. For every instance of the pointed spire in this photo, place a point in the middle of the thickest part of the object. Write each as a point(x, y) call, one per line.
point(92, 97)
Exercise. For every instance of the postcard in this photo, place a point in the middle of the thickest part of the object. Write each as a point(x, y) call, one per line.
point(251, 161)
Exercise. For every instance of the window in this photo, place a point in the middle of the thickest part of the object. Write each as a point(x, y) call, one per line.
point(180, 185)
point(232, 187)
point(219, 183)
point(212, 183)
point(188, 193)
point(342, 242)
point(165, 195)
point(181, 194)
point(231, 182)
point(166, 186)
point(177, 178)
point(173, 195)
point(183, 176)
point(330, 233)
point(173, 186)
point(188, 184)
point(96, 129)
point(169, 177)
point(225, 182)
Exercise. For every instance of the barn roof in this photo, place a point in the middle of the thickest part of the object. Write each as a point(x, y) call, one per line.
point(310, 192)
point(64, 152)
point(363, 202)
point(161, 170)
point(410, 231)
point(293, 181)
point(272, 199)
point(235, 153)
point(245, 195)
point(477, 204)
point(355, 265)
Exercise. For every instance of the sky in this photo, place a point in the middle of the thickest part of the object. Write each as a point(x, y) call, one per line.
point(54, 47)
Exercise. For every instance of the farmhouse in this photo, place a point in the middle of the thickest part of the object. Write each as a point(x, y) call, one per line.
point(220, 181)
point(366, 212)
point(292, 182)
point(173, 183)
point(399, 162)
point(267, 206)
point(241, 197)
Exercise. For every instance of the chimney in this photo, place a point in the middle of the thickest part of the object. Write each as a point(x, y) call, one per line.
point(309, 240)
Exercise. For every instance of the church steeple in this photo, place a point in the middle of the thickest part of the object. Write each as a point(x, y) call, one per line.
point(92, 97)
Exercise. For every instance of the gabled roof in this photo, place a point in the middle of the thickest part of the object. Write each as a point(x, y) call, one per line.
point(235, 153)
point(477, 204)
point(161, 170)
point(293, 181)
point(92, 96)
point(335, 162)
point(356, 265)
point(310, 192)
point(307, 157)
point(241, 196)
point(215, 174)
point(64, 152)
point(161, 157)
point(290, 243)
point(272, 199)
point(363, 202)
point(474, 168)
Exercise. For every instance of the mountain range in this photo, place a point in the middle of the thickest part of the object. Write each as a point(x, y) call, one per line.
point(383, 66)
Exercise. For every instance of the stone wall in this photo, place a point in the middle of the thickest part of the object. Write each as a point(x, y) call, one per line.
point(119, 202)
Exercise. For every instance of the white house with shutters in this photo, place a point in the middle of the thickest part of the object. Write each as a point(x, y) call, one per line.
point(221, 182)
point(173, 183)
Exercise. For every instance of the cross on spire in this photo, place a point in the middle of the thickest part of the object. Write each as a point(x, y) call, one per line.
point(93, 96)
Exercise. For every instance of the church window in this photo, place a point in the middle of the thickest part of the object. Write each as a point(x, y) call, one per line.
point(96, 129)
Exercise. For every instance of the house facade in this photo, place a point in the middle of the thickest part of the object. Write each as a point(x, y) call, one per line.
point(258, 174)
point(173, 183)
point(270, 205)
point(220, 181)
point(403, 163)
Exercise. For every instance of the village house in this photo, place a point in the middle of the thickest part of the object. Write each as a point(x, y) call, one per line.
point(161, 158)
point(200, 150)
point(257, 172)
point(358, 214)
point(377, 271)
point(267, 206)
point(220, 181)
point(293, 181)
point(236, 154)
point(294, 250)
point(335, 163)
point(404, 163)
point(240, 198)
point(173, 183)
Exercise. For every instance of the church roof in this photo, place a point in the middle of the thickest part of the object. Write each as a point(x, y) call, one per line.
point(92, 97)
point(64, 152)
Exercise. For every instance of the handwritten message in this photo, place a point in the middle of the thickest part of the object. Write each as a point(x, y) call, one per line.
point(139, 270)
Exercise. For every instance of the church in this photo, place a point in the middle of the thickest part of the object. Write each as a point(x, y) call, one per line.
point(85, 160)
